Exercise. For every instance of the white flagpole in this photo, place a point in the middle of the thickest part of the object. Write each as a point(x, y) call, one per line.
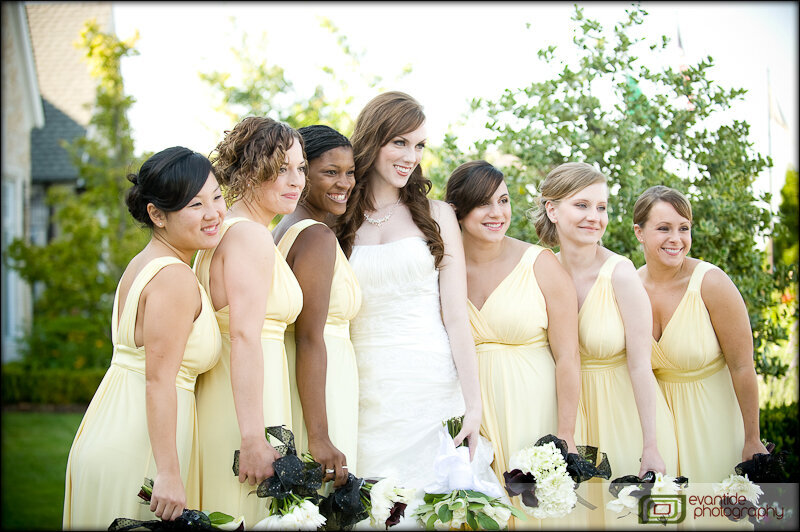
point(770, 245)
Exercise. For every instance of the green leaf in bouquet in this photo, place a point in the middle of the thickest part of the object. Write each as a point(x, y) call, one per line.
point(471, 521)
point(516, 512)
point(146, 492)
point(424, 508)
point(431, 497)
point(445, 514)
point(456, 504)
point(475, 506)
point(487, 523)
point(219, 518)
point(431, 520)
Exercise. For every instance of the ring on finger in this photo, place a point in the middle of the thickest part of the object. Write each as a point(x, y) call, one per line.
point(344, 467)
point(330, 471)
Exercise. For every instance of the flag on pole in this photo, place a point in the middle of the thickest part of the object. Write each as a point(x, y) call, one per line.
point(680, 42)
point(775, 112)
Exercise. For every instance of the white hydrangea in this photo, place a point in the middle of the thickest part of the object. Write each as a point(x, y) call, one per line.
point(739, 485)
point(540, 460)
point(554, 487)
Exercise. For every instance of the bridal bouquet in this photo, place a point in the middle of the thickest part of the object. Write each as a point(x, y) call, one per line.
point(189, 519)
point(545, 474)
point(629, 489)
point(292, 490)
point(458, 497)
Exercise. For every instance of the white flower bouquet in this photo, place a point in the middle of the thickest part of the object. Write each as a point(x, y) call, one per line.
point(628, 490)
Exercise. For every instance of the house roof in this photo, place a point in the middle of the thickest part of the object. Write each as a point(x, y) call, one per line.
point(67, 88)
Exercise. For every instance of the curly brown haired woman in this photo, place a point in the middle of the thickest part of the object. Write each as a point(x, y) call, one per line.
point(255, 295)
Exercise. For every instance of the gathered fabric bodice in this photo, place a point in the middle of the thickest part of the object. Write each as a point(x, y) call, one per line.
point(688, 348)
point(285, 299)
point(345, 298)
point(497, 325)
point(600, 326)
point(204, 332)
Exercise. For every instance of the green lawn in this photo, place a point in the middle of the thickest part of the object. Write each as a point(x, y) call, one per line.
point(35, 446)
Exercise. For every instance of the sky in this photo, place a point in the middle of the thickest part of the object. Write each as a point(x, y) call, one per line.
point(456, 51)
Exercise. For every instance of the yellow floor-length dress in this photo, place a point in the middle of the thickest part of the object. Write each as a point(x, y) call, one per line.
point(516, 369)
point(341, 382)
point(219, 428)
point(608, 417)
point(691, 370)
point(111, 454)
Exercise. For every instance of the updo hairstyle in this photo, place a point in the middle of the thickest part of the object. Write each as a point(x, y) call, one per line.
point(471, 185)
point(318, 139)
point(169, 180)
point(252, 153)
point(562, 182)
point(641, 210)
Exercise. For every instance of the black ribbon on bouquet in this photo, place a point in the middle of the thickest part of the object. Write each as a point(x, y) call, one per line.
point(188, 520)
point(343, 508)
point(292, 475)
point(645, 484)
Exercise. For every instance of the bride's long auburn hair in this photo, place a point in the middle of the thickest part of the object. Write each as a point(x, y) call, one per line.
point(386, 116)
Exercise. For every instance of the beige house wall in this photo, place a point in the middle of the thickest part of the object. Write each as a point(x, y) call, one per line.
point(21, 111)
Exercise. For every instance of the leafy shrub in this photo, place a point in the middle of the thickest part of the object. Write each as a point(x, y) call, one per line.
point(49, 386)
point(779, 425)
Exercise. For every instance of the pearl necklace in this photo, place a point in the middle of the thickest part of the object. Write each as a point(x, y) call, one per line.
point(380, 221)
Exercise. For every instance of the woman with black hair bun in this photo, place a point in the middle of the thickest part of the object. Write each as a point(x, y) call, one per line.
point(322, 363)
point(142, 421)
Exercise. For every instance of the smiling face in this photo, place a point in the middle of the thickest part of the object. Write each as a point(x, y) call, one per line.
point(196, 226)
point(280, 195)
point(581, 218)
point(399, 157)
point(331, 178)
point(666, 235)
point(489, 221)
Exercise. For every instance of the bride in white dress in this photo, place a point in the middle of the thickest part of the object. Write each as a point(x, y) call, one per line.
point(416, 359)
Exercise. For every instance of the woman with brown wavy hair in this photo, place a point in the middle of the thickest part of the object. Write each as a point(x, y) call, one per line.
point(416, 359)
point(255, 295)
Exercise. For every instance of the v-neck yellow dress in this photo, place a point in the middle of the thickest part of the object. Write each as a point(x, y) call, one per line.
point(608, 417)
point(111, 454)
point(219, 428)
point(691, 370)
point(341, 381)
point(516, 369)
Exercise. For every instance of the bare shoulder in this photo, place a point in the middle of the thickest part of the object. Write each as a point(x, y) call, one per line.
point(717, 287)
point(247, 237)
point(174, 280)
point(315, 237)
point(624, 270)
point(441, 209)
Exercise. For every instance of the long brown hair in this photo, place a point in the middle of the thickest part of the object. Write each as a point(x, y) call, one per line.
point(383, 118)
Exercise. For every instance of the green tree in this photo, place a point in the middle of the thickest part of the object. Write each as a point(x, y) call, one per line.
point(77, 272)
point(257, 87)
point(786, 232)
point(643, 127)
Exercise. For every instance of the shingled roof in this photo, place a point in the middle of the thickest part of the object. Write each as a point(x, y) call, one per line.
point(65, 84)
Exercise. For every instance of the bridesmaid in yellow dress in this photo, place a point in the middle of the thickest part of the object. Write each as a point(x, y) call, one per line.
point(255, 294)
point(322, 363)
point(621, 408)
point(524, 316)
point(703, 358)
point(142, 420)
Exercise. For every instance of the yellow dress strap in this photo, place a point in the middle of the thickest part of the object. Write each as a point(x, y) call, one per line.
point(607, 269)
point(696, 280)
point(127, 323)
point(291, 234)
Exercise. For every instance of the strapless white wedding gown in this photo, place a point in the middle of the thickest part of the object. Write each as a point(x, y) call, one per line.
point(408, 382)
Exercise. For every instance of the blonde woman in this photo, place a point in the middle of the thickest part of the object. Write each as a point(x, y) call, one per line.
point(621, 408)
